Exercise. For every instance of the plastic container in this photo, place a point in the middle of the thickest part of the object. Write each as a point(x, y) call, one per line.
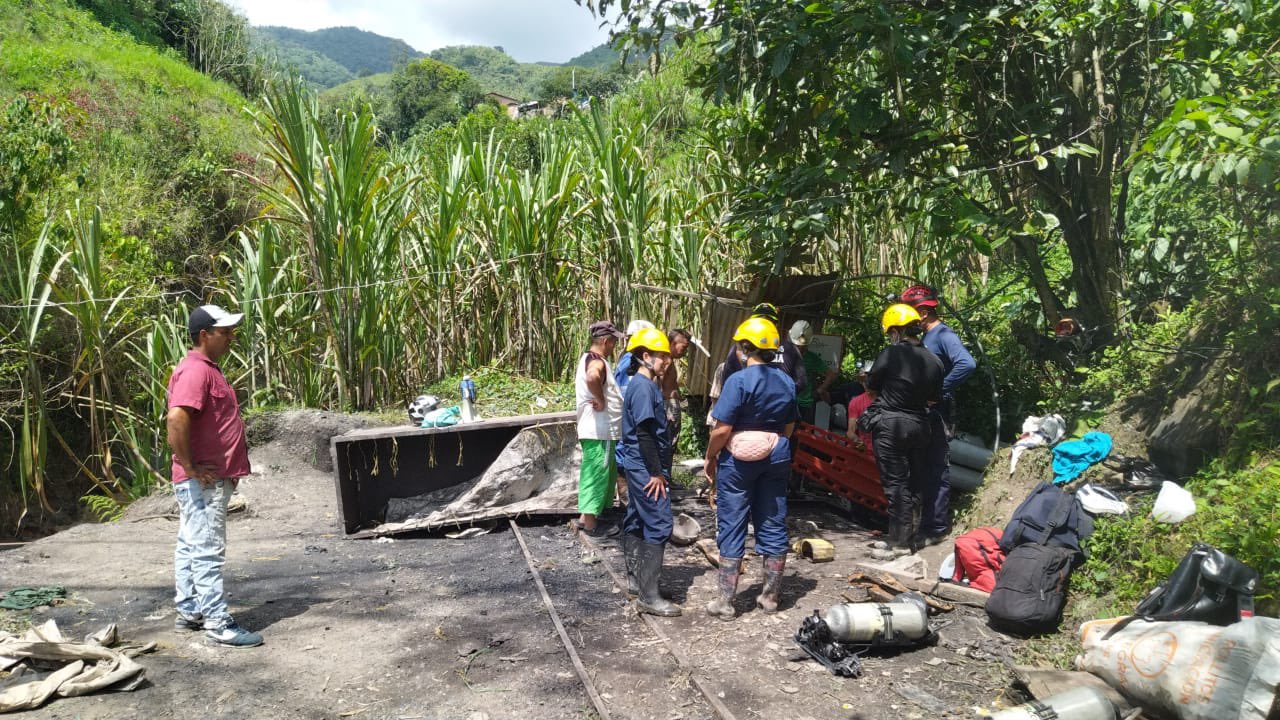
point(1082, 703)
point(1173, 504)
point(468, 391)
point(947, 569)
point(864, 623)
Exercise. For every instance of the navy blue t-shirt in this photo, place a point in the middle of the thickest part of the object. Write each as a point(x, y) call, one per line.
point(642, 403)
point(759, 397)
point(957, 363)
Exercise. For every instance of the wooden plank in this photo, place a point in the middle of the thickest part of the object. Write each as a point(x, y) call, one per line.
point(410, 431)
point(596, 700)
point(946, 591)
point(1044, 683)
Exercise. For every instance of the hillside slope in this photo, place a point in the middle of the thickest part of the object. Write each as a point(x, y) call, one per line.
point(359, 51)
point(320, 70)
point(150, 137)
point(150, 142)
point(495, 70)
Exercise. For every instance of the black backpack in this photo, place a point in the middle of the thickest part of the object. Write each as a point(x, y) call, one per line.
point(1050, 516)
point(1207, 586)
point(1031, 589)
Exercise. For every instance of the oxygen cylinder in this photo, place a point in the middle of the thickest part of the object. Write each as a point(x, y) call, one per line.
point(468, 389)
point(1081, 703)
point(865, 623)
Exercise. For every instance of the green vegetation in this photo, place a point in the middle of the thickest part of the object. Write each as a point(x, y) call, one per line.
point(396, 232)
point(320, 70)
point(214, 38)
point(600, 57)
point(500, 393)
point(92, 117)
point(494, 70)
point(360, 52)
point(427, 93)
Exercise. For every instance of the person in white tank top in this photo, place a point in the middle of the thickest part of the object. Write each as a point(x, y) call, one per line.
point(599, 408)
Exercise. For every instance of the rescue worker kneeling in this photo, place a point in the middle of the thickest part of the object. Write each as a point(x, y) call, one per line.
point(641, 451)
point(748, 463)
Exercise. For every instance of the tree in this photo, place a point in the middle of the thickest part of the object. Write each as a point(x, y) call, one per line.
point(1011, 122)
point(426, 93)
point(567, 81)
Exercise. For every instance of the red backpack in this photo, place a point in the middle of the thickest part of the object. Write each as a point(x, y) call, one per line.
point(979, 557)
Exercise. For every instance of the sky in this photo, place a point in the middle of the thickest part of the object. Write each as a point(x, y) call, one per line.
point(529, 30)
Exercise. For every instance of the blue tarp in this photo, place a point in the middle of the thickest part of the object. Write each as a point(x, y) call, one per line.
point(1075, 456)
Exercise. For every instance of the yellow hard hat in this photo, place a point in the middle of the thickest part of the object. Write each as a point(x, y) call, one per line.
point(898, 315)
point(650, 339)
point(759, 332)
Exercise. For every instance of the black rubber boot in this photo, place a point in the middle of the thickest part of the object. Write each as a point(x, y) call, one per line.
point(726, 588)
point(648, 570)
point(902, 540)
point(771, 592)
point(630, 544)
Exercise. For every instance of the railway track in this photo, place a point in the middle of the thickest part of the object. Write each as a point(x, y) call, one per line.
point(706, 704)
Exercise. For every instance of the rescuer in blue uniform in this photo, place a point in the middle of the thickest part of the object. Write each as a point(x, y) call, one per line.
point(748, 463)
point(642, 451)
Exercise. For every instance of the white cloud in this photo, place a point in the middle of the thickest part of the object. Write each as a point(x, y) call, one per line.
point(529, 30)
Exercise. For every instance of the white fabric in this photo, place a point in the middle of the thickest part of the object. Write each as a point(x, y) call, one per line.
point(800, 333)
point(1173, 505)
point(90, 666)
point(598, 424)
point(1037, 432)
point(1100, 501)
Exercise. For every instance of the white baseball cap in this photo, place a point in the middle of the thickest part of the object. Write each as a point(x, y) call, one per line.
point(800, 332)
point(636, 326)
point(211, 316)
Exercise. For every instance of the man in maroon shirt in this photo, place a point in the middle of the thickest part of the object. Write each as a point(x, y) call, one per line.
point(210, 455)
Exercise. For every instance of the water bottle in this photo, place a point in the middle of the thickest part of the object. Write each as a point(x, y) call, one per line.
point(468, 389)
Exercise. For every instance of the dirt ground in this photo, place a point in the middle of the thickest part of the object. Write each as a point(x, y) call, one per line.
point(427, 627)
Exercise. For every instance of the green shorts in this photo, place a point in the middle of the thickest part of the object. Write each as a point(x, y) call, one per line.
point(596, 476)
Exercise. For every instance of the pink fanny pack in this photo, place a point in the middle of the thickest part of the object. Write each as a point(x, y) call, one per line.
point(752, 445)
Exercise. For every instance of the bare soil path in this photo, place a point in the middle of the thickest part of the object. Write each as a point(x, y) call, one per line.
point(430, 628)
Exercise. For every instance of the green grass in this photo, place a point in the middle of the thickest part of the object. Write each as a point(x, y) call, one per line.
point(500, 393)
point(152, 136)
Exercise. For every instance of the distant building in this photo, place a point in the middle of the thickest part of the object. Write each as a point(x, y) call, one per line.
point(510, 104)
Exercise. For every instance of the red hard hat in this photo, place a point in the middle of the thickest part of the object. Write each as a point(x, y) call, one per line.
point(920, 296)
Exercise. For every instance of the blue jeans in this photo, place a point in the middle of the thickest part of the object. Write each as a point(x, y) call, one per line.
point(755, 492)
point(646, 518)
point(202, 550)
point(935, 510)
